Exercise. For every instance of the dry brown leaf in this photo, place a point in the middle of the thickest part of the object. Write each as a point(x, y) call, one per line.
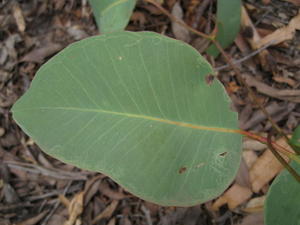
point(3, 58)
point(64, 200)
point(38, 55)
point(138, 18)
point(10, 195)
point(250, 157)
point(107, 191)
point(254, 38)
point(34, 220)
point(18, 15)
point(180, 32)
point(75, 209)
point(91, 191)
point(200, 44)
point(264, 32)
point(154, 209)
point(152, 9)
point(107, 212)
point(233, 197)
point(241, 43)
point(59, 4)
point(286, 80)
point(253, 145)
point(273, 109)
point(256, 218)
point(281, 34)
point(170, 3)
point(295, 2)
point(57, 218)
point(266, 167)
point(77, 32)
point(242, 177)
point(266, 2)
point(255, 205)
point(291, 95)
point(125, 221)
point(112, 222)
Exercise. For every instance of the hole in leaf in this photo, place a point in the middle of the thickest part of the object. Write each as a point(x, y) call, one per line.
point(182, 170)
point(209, 79)
point(223, 154)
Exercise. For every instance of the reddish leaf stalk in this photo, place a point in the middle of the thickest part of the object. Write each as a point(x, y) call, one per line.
point(264, 141)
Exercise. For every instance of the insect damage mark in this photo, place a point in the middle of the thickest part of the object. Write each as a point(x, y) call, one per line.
point(223, 154)
point(182, 170)
point(209, 79)
point(199, 165)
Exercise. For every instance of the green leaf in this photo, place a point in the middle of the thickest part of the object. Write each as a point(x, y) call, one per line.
point(282, 204)
point(228, 24)
point(136, 107)
point(295, 140)
point(112, 15)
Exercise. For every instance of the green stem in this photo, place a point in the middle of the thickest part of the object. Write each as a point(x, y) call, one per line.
point(281, 160)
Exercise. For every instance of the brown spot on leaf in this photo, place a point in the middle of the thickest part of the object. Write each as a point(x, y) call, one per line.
point(209, 79)
point(182, 170)
point(223, 154)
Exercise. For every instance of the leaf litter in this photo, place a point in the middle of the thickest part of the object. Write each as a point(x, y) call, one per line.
point(31, 185)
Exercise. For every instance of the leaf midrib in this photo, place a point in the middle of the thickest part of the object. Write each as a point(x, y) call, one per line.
point(171, 122)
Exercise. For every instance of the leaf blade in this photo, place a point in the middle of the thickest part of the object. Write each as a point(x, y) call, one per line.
point(286, 190)
point(228, 23)
point(295, 140)
point(156, 136)
point(112, 15)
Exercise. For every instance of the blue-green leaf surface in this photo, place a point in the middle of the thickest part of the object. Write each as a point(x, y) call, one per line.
point(282, 204)
point(136, 106)
point(228, 23)
point(112, 15)
point(295, 140)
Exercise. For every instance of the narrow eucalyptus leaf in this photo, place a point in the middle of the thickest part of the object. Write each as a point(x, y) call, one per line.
point(112, 15)
point(228, 23)
point(295, 140)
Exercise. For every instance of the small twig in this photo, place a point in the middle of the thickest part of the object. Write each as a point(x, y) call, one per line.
point(107, 212)
point(16, 206)
point(245, 58)
point(281, 160)
point(89, 185)
point(58, 174)
point(72, 189)
point(228, 60)
point(250, 91)
point(147, 215)
point(56, 205)
point(199, 12)
point(263, 140)
point(173, 18)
